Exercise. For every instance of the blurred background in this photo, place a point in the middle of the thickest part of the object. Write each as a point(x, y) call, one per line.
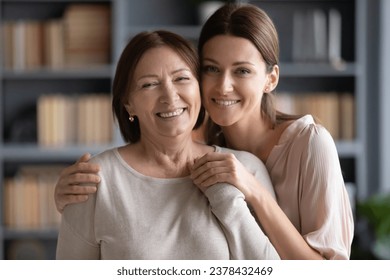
point(57, 61)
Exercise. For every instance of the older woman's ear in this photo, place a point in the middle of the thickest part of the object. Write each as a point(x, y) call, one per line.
point(129, 109)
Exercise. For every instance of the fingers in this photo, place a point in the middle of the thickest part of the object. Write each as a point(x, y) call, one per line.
point(209, 157)
point(211, 173)
point(215, 168)
point(84, 158)
point(81, 165)
point(210, 163)
point(211, 177)
point(83, 179)
point(65, 194)
point(76, 182)
point(76, 189)
point(63, 200)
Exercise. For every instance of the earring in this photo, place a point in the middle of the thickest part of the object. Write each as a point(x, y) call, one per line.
point(131, 118)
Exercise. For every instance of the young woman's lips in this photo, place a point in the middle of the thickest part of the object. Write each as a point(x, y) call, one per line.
point(222, 102)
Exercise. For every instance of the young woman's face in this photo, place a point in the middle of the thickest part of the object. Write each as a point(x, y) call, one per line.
point(165, 95)
point(233, 80)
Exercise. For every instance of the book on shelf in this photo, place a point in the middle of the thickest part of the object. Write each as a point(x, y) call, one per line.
point(19, 54)
point(317, 36)
point(82, 37)
point(23, 45)
point(334, 110)
point(335, 36)
point(29, 198)
point(7, 39)
point(87, 34)
point(33, 47)
point(347, 116)
point(54, 44)
point(74, 119)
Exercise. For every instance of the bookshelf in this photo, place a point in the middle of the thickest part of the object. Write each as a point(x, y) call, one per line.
point(48, 71)
point(20, 89)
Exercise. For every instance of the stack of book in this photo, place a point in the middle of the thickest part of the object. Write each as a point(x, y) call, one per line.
point(66, 120)
point(23, 46)
point(80, 38)
point(334, 110)
point(87, 34)
point(317, 36)
point(29, 198)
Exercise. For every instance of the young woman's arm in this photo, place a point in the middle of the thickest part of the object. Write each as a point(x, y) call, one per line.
point(76, 182)
point(311, 191)
point(219, 167)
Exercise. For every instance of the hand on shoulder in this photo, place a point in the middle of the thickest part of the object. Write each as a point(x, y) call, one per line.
point(76, 182)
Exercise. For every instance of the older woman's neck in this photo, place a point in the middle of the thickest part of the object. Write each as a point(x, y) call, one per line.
point(167, 159)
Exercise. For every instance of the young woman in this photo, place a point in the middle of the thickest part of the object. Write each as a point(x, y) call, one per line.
point(312, 218)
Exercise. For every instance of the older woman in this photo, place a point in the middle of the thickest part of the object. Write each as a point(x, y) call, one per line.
point(146, 205)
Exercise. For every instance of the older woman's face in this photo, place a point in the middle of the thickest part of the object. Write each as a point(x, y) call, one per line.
point(165, 95)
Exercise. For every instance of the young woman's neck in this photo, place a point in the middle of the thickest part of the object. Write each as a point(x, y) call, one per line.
point(251, 137)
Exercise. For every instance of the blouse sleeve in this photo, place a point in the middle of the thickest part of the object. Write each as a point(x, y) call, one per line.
point(245, 238)
point(76, 239)
point(326, 215)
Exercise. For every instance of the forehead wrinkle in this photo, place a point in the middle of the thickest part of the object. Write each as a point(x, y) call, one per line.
point(156, 76)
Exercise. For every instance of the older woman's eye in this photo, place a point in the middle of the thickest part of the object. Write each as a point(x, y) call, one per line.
point(182, 78)
point(148, 85)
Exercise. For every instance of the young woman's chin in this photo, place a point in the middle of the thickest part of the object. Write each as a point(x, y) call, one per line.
point(222, 120)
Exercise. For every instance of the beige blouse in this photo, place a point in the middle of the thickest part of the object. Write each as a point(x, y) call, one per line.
point(133, 216)
point(305, 170)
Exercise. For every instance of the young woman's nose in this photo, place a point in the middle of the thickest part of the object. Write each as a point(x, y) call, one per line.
point(225, 84)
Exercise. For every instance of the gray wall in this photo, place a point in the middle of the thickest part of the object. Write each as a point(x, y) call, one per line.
point(384, 95)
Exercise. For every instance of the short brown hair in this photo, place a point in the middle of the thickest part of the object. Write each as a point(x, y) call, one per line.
point(124, 73)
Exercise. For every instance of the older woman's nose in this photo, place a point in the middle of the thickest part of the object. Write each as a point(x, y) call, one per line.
point(170, 93)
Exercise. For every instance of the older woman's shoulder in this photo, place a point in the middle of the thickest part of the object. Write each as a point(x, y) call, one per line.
point(105, 156)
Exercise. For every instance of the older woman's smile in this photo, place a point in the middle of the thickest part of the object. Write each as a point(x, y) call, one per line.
point(171, 114)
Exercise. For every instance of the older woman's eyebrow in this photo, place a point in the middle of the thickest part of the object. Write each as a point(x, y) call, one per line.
point(147, 76)
point(156, 76)
point(181, 70)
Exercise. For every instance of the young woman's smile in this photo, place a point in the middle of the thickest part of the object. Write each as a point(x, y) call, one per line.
point(233, 81)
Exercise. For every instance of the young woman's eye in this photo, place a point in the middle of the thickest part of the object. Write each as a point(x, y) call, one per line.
point(210, 69)
point(243, 71)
